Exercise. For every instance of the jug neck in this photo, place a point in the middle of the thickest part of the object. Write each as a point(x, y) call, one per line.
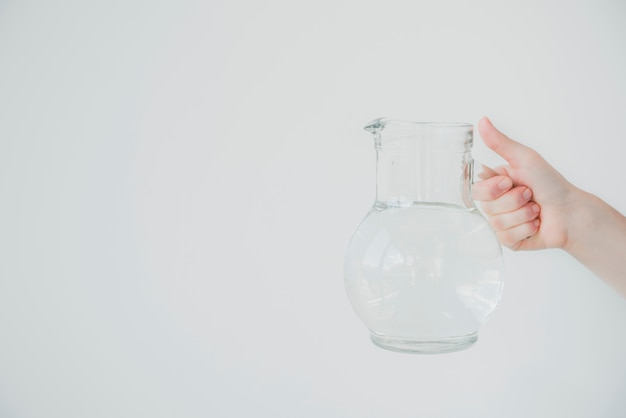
point(427, 163)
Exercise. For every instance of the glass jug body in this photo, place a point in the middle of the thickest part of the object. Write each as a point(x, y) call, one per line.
point(423, 269)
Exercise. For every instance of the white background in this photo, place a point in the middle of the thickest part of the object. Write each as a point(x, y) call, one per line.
point(179, 181)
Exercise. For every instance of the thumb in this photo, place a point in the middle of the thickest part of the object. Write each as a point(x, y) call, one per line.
point(504, 146)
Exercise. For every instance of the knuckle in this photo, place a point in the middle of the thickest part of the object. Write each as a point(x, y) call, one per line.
point(523, 196)
point(527, 213)
point(506, 239)
point(486, 207)
point(485, 190)
point(496, 223)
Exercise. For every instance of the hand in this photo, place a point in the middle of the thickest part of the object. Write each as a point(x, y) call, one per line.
point(527, 201)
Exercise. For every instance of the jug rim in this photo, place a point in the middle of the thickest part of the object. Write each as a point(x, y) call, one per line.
point(378, 124)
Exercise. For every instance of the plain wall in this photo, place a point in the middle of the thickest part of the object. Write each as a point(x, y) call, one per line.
point(179, 182)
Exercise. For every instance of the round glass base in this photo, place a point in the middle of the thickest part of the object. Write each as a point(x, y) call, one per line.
point(425, 346)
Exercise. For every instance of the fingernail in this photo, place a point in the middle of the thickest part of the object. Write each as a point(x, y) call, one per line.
point(536, 222)
point(527, 194)
point(535, 208)
point(505, 183)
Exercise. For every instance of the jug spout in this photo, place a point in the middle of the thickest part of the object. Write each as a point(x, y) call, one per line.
point(375, 126)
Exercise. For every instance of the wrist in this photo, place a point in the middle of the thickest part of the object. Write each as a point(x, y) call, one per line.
point(597, 238)
point(581, 210)
point(589, 220)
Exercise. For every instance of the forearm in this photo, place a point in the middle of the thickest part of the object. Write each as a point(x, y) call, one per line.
point(597, 238)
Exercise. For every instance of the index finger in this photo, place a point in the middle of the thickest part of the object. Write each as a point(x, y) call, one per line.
point(491, 188)
point(487, 172)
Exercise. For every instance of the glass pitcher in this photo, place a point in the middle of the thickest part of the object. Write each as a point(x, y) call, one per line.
point(423, 269)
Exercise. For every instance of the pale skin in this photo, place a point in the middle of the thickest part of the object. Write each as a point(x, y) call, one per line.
point(532, 206)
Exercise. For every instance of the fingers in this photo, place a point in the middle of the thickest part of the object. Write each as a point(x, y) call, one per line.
point(510, 201)
point(491, 188)
point(511, 213)
point(508, 205)
point(504, 221)
point(507, 148)
point(514, 237)
point(487, 172)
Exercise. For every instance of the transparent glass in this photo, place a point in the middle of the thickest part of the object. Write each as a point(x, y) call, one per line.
point(423, 269)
